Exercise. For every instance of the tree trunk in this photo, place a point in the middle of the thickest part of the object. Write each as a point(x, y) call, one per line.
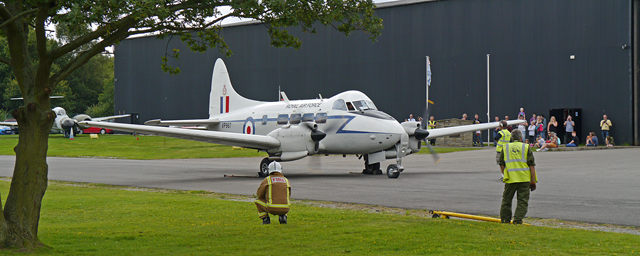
point(21, 214)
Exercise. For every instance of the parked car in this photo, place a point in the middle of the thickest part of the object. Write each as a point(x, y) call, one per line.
point(5, 130)
point(13, 128)
point(96, 130)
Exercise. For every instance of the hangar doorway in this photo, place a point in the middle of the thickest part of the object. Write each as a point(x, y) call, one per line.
point(561, 115)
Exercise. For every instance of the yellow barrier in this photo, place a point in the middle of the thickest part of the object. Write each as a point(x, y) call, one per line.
point(445, 215)
point(234, 148)
point(93, 136)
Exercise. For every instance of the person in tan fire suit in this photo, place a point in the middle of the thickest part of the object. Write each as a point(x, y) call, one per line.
point(273, 195)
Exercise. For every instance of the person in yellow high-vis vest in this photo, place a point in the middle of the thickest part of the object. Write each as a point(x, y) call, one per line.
point(503, 137)
point(519, 169)
point(273, 195)
point(432, 125)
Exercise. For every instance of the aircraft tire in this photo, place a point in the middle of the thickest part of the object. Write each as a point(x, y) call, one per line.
point(392, 171)
point(264, 167)
point(372, 169)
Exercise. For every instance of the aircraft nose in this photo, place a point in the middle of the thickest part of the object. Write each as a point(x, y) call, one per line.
point(67, 123)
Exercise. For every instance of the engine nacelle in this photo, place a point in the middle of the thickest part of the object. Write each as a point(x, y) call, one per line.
point(416, 135)
point(296, 141)
point(80, 118)
point(410, 127)
point(415, 144)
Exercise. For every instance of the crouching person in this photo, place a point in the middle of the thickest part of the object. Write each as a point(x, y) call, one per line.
point(273, 195)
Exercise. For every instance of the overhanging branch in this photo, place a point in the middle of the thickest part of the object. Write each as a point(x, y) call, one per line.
point(86, 56)
point(5, 60)
point(5, 15)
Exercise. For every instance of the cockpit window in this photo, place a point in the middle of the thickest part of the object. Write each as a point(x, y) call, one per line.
point(350, 106)
point(339, 105)
point(371, 105)
point(61, 112)
point(362, 105)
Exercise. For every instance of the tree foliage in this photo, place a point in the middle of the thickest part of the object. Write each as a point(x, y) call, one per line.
point(87, 27)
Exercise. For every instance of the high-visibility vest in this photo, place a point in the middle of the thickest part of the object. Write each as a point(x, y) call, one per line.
point(431, 123)
point(516, 167)
point(504, 140)
point(280, 197)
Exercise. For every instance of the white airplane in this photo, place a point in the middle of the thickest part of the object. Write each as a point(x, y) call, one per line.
point(347, 123)
point(63, 123)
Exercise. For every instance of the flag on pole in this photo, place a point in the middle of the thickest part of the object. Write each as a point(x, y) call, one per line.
point(428, 72)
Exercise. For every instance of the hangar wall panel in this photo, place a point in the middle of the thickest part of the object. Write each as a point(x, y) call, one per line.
point(529, 42)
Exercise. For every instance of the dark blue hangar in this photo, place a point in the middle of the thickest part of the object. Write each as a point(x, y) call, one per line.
point(487, 57)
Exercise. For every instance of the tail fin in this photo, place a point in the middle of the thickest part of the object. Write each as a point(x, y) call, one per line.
point(223, 97)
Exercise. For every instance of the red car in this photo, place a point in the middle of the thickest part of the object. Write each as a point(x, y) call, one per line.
point(96, 130)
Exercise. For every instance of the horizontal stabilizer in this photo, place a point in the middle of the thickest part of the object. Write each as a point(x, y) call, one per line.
point(98, 119)
point(446, 131)
point(190, 122)
point(224, 138)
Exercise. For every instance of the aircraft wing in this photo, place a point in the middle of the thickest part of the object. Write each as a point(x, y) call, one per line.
point(441, 132)
point(9, 123)
point(98, 119)
point(191, 122)
point(225, 138)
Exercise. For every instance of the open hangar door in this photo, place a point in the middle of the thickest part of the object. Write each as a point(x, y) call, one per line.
point(561, 115)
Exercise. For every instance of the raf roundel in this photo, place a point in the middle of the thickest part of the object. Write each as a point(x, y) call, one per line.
point(248, 127)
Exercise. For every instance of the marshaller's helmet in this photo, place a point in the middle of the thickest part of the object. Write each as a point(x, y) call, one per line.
point(275, 167)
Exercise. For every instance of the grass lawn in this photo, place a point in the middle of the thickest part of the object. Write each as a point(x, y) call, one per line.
point(146, 147)
point(85, 219)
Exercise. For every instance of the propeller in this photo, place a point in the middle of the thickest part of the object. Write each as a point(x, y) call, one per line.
point(434, 154)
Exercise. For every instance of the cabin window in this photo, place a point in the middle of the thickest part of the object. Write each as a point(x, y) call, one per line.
point(307, 117)
point(265, 118)
point(321, 118)
point(339, 105)
point(283, 119)
point(295, 118)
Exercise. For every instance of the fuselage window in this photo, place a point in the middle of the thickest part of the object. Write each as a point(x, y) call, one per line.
point(295, 118)
point(321, 118)
point(307, 117)
point(283, 119)
point(265, 118)
point(339, 105)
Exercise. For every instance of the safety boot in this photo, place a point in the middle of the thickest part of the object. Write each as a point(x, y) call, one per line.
point(266, 220)
point(283, 219)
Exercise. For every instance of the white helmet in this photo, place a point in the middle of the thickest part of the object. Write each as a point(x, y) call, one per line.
point(275, 167)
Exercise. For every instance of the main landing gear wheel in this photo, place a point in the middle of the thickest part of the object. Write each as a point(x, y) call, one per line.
point(392, 171)
point(264, 167)
point(372, 169)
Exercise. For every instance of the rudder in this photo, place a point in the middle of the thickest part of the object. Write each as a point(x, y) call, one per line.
point(223, 97)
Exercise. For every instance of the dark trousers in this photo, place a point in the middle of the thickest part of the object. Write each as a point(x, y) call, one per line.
point(477, 139)
point(510, 190)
